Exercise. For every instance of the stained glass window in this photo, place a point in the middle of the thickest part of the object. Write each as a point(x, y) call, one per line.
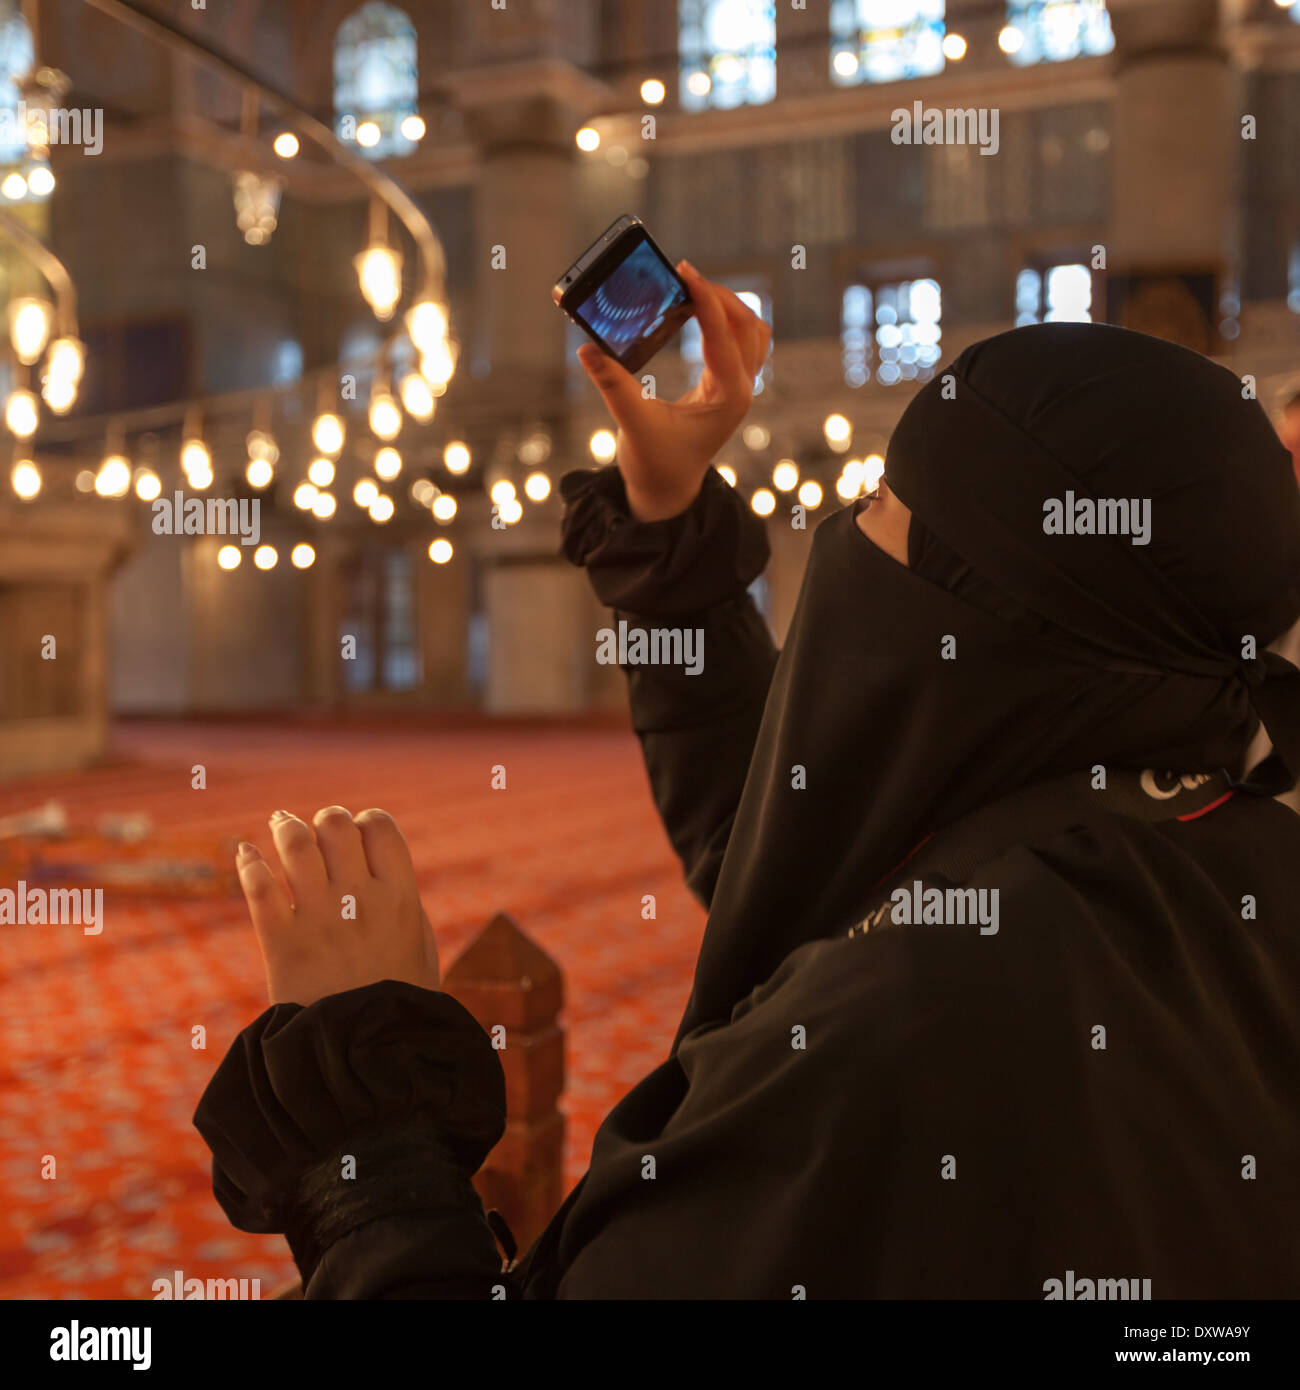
point(1056, 294)
point(375, 81)
point(692, 345)
point(856, 335)
point(897, 324)
point(1053, 31)
point(727, 51)
point(16, 58)
point(885, 40)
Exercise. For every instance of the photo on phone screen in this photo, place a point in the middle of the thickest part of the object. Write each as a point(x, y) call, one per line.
point(631, 300)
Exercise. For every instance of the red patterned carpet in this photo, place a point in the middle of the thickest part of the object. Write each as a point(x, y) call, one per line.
point(96, 1066)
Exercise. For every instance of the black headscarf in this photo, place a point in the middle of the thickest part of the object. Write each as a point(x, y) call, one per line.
point(906, 697)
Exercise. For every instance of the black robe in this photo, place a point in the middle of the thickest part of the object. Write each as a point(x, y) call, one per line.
point(1102, 1088)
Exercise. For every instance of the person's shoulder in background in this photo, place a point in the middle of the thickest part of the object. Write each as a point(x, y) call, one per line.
point(1288, 645)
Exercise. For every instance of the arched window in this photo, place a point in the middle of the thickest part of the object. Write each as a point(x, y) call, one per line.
point(1054, 294)
point(885, 40)
point(1053, 31)
point(727, 50)
point(752, 291)
point(375, 82)
point(896, 323)
point(16, 59)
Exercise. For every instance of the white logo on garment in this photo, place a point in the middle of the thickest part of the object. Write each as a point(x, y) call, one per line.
point(1161, 786)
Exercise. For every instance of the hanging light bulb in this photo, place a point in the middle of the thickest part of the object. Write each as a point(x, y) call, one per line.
point(388, 464)
point(763, 502)
point(785, 475)
point(503, 490)
point(728, 474)
point(537, 487)
point(229, 556)
point(58, 393)
point(259, 473)
point(327, 433)
point(196, 461)
point(261, 445)
point(321, 472)
point(849, 484)
point(456, 457)
point(22, 414)
point(29, 328)
point(417, 398)
point(603, 445)
point(114, 477)
point(379, 269)
point(67, 359)
point(444, 507)
point(64, 364)
point(438, 365)
point(510, 510)
point(385, 418)
point(810, 494)
point(265, 557)
point(423, 492)
point(324, 505)
point(41, 181)
point(303, 556)
point(365, 492)
point(440, 551)
point(26, 479)
point(148, 484)
point(838, 431)
point(304, 496)
point(381, 509)
point(426, 322)
point(195, 457)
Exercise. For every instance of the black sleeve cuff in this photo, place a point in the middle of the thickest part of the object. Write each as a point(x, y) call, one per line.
point(404, 1074)
point(707, 555)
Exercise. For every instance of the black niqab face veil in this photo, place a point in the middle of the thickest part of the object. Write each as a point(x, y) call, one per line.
point(1012, 651)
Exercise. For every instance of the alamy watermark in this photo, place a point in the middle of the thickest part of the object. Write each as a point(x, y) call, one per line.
point(1072, 1288)
point(179, 515)
point(946, 907)
point(57, 125)
point(177, 1286)
point(77, 1343)
point(651, 646)
point(1100, 516)
point(37, 907)
point(935, 125)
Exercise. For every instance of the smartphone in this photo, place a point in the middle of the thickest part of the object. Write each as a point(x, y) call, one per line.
point(624, 294)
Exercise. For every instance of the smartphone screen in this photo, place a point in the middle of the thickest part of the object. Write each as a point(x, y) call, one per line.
point(632, 301)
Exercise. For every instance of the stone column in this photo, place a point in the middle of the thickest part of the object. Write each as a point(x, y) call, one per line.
point(1176, 134)
point(523, 112)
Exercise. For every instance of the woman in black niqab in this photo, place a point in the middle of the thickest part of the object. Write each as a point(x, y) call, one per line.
point(1099, 1082)
point(1004, 655)
point(1096, 1072)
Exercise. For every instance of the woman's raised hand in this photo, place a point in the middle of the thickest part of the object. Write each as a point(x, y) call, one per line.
point(666, 447)
point(351, 915)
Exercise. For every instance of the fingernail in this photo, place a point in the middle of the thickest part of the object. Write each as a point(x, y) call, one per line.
point(246, 853)
point(689, 268)
point(279, 815)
